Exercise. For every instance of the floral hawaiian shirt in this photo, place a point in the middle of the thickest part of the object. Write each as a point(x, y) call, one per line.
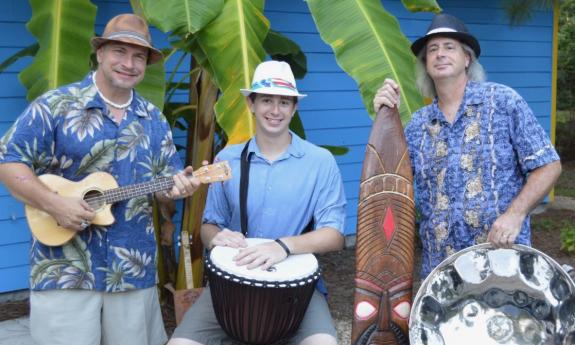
point(69, 132)
point(467, 173)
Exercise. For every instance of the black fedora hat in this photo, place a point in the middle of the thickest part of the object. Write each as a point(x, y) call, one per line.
point(449, 26)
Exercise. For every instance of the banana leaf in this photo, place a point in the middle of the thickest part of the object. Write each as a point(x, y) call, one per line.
point(181, 16)
point(63, 29)
point(421, 5)
point(153, 86)
point(233, 46)
point(281, 48)
point(30, 50)
point(369, 46)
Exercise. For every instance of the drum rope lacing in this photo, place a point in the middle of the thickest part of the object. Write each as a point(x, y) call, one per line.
point(246, 281)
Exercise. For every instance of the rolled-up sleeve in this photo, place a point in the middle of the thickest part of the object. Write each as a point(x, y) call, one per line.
point(531, 143)
point(330, 210)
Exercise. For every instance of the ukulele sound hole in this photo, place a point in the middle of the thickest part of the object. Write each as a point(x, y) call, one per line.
point(95, 198)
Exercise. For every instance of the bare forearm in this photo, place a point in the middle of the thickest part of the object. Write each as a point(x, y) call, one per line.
point(539, 183)
point(319, 241)
point(25, 186)
point(208, 232)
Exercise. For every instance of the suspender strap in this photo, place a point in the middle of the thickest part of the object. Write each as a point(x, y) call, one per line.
point(244, 183)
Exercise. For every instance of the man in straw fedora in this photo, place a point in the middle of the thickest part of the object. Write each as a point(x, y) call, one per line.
point(99, 288)
point(481, 160)
point(291, 182)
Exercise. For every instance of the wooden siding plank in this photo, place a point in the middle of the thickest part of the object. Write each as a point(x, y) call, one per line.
point(15, 254)
point(14, 231)
point(337, 118)
point(18, 37)
point(14, 11)
point(14, 278)
point(10, 86)
point(10, 209)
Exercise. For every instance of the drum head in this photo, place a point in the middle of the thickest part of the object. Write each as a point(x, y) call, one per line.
point(295, 267)
point(483, 295)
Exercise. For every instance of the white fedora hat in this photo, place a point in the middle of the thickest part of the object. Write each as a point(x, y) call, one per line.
point(273, 78)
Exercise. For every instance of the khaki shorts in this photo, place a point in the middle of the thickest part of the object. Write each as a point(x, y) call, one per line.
point(200, 324)
point(71, 317)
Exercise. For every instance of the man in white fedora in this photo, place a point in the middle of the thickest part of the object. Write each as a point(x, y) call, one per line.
point(481, 160)
point(100, 287)
point(292, 183)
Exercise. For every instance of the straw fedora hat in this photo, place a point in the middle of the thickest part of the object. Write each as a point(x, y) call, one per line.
point(446, 25)
point(273, 78)
point(128, 28)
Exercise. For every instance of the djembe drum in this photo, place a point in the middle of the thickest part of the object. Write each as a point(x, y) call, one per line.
point(257, 306)
point(483, 295)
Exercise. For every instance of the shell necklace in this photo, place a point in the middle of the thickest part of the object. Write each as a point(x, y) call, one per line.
point(110, 103)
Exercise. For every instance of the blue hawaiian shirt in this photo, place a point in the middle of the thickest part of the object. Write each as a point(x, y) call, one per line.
point(69, 132)
point(467, 173)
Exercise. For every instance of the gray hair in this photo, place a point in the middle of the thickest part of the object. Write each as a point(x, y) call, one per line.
point(475, 72)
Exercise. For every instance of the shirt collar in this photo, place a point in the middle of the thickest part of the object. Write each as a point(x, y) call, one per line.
point(473, 95)
point(295, 148)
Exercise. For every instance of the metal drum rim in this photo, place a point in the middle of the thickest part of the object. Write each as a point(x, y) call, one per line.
point(423, 289)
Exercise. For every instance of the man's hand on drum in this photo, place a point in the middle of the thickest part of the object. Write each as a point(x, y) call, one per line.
point(388, 95)
point(229, 238)
point(505, 229)
point(264, 255)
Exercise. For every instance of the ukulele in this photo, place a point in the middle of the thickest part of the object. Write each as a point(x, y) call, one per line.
point(100, 190)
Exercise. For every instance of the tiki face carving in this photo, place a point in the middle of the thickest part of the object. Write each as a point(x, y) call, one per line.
point(385, 235)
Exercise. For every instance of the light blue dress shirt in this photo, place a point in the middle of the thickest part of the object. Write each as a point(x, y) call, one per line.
point(283, 195)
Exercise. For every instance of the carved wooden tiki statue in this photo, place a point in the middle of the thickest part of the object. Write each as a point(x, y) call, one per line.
point(385, 237)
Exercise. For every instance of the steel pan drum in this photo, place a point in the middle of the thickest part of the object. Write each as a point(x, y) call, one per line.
point(483, 295)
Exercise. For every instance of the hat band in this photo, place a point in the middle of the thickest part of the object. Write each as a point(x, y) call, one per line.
point(128, 34)
point(273, 82)
point(438, 30)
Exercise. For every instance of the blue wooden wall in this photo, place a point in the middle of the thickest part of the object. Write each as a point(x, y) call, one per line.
point(333, 114)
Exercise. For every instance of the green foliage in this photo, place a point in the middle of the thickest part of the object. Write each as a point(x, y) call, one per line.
point(281, 48)
point(565, 186)
point(543, 224)
point(421, 5)
point(233, 44)
point(183, 16)
point(567, 237)
point(63, 30)
point(520, 11)
point(153, 86)
point(30, 50)
point(369, 46)
point(566, 57)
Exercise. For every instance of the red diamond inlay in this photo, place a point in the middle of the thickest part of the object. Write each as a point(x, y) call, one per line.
point(388, 224)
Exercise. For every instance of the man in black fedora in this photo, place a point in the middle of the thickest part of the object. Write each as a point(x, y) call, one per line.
point(100, 287)
point(481, 161)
